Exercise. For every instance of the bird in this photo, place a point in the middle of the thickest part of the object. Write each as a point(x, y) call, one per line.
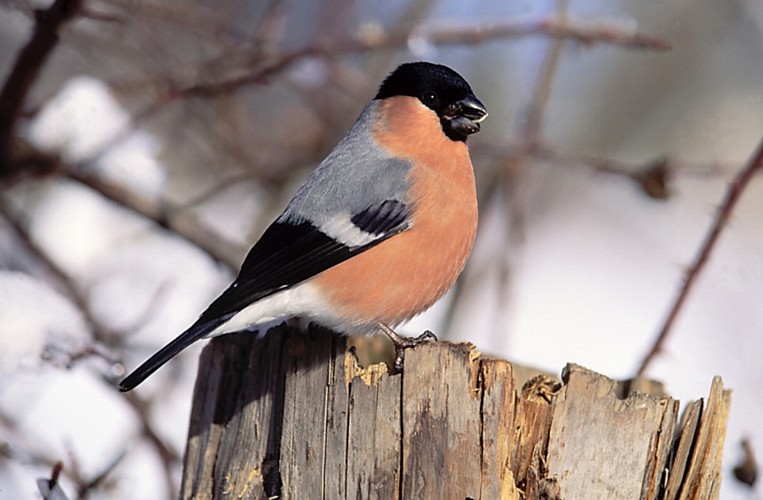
point(379, 231)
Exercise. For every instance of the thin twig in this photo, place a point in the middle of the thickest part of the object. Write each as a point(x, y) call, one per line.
point(546, 152)
point(560, 27)
point(21, 452)
point(653, 177)
point(210, 22)
point(167, 455)
point(174, 219)
point(530, 132)
point(374, 40)
point(27, 66)
point(733, 193)
point(531, 119)
point(55, 274)
point(165, 452)
point(530, 125)
point(555, 28)
point(86, 487)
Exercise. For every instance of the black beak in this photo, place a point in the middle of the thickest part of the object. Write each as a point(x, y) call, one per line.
point(472, 108)
point(464, 116)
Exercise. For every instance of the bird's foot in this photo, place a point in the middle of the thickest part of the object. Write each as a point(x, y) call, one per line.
point(402, 343)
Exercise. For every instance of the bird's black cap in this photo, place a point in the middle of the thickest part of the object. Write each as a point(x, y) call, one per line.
point(442, 90)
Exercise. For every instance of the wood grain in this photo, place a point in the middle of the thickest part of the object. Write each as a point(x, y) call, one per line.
point(294, 416)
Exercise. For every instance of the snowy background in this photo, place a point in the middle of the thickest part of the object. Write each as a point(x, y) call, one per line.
point(166, 176)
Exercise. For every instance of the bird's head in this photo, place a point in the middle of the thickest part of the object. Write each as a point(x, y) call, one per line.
point(443, 91)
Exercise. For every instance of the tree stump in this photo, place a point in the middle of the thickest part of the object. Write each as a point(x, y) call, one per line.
point(294, 416)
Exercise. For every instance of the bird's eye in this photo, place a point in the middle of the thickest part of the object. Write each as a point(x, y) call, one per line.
point(430, 98)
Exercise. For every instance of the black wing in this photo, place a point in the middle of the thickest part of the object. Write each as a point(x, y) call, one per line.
point(288, 254)
point(382, 218)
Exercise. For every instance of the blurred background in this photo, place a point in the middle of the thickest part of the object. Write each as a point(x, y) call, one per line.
point(160, 138)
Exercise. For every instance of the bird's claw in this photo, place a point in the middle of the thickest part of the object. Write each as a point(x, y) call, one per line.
point(403, 343)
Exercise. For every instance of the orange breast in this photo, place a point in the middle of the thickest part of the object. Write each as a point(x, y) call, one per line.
point(407, 273)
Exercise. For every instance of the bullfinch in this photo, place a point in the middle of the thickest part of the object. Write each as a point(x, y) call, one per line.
point(378, 232)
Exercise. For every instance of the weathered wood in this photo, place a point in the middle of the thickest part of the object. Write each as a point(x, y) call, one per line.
point(683, 441)
point(305, 455)
point(373, 437)
point(235, 430)
point(498, 431)
point(660, 448)
point(703, 479)
point(532, 422)
point(441, 423)
point(587, 415)
point(294, 416)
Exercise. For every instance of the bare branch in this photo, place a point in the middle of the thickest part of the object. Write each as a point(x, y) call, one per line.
point(560, 27)
point(553, 27)
point(377, 39)
point(87, 486)
point(530, 123)
point(175, 220)
point(167, 455)
point(654, 177)
point(27, 66)
point(530, 131)
point(209, 22)
point(733, 193)
point(56, 275)
point(50, 489)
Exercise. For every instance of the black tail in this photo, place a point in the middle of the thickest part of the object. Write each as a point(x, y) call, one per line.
point(188, 337)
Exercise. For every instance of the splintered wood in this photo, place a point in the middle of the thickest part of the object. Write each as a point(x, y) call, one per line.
point(293, 416)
